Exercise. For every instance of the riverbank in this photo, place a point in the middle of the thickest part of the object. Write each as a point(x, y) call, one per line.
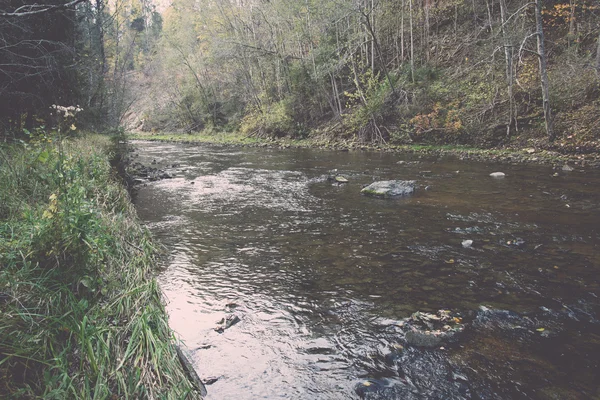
point(529, 155)
point(82, 315)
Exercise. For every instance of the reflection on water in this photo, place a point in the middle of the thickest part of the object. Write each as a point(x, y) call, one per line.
point(321, 276)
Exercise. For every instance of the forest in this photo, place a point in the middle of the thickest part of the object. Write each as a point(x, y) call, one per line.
point(487, 73)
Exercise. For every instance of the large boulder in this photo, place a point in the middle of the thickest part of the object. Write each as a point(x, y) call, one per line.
point(389, 188)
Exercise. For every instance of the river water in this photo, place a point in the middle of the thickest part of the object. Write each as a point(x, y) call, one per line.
point(323, 279)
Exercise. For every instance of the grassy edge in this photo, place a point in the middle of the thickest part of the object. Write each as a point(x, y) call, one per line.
point(82, 314)
point(502, 155)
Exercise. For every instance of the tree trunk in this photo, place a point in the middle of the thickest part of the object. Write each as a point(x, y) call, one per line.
point(508, 54)
point(426, 29)
point(572, 25)
point(598, 58)
point(101, 49)
point(372, 31)
point(412, 42)
point(490, 21)
point(376, 46)
point(543, 71)
point(402, 33)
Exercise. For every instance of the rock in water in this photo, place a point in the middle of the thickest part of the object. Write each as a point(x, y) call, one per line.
point(422, 339)
point(567, 168)
point(389, 188)
point(341, 179)
point(467, 243)
point(227, 322)
point(497, 174)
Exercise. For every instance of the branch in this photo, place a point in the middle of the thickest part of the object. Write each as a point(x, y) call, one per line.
point(266, 51)
point(31, 9)
point(517, 12)
point(521, 49)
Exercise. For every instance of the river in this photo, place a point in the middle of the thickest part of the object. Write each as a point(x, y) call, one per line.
point(324, 280)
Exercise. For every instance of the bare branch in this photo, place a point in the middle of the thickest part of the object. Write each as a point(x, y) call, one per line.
point(34, 9)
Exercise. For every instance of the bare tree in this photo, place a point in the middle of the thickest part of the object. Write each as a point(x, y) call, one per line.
point(541, 52)
point(508, 54)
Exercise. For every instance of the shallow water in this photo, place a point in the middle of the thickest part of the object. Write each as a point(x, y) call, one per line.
point(321, 276)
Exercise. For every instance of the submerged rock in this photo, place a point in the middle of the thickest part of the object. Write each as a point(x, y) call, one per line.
point(336, 178)
point(227, 322)
point(422, 339)
point(432, 330)
point(422, 374)
point(210, 380)
point(389, 188)
point(567, 168)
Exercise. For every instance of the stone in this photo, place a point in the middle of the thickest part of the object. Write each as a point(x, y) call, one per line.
point(211, 380)
point(467, 243)
point(389, 188)
point(227, 322)
point(422, 339)
point(497, 174)
point(567, 168)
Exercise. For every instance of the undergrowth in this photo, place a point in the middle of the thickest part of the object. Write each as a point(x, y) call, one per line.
point(81, 314)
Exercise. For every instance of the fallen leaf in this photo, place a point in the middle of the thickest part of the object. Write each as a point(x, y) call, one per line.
point(540, 329)
point(450, 261)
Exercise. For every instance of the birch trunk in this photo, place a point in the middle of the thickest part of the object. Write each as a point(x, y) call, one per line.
point(412, 42)
point(508, 54)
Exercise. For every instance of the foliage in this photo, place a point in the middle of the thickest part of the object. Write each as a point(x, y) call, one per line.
point(274, 121)
point(82, 316)
point(368, 106)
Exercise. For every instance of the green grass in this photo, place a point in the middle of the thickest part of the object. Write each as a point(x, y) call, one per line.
point(81, 313)
point(200, 137)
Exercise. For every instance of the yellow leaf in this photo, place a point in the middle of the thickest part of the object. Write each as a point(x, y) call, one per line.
point(366, 383)
point(73, 127)
point(540, 329)
point(450, 261)
point(52, 197)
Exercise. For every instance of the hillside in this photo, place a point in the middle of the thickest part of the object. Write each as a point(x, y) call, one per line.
point(445, 71)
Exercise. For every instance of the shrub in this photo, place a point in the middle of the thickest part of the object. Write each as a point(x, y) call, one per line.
point(274, 121)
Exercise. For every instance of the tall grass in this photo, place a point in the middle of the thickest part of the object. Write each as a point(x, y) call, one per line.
point(81, 314)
